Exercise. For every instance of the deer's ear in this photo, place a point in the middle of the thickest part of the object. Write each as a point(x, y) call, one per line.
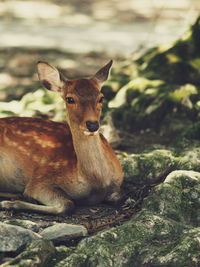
point(102, 75)
point(49, 76)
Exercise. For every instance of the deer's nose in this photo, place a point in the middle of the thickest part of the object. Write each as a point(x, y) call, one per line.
point(92, 126)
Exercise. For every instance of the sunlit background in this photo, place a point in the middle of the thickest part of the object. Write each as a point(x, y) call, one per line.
point(94, 25)
point(79, 36)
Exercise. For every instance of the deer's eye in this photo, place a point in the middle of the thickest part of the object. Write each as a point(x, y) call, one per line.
point(70, 100)
point(101, 99)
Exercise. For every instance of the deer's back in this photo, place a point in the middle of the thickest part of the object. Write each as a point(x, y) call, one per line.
point(33, 147)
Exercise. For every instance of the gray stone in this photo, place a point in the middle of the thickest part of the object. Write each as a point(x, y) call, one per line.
point(63, 231)
point(13, 237)
point(24, 223)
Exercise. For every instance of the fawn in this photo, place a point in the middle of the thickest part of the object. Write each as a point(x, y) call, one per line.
point(60, 164)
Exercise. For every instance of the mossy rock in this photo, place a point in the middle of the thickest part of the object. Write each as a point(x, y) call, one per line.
point(164, 88)
point(152, 167)
point(190, 159)
point(37, 253)
point(62, 252)
point(147, 240)
point(154, 106)
point(177, 198)
point(164, 233)
point(121, 246)
point(148, 168)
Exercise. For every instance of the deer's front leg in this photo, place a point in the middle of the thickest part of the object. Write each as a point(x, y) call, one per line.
point(54, 201)
point(114, 198)
point(114, 195)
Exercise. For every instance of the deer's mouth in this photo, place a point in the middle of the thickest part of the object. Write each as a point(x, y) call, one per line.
point(88, 133)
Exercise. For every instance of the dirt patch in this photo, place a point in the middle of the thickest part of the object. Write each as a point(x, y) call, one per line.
point(95, 217)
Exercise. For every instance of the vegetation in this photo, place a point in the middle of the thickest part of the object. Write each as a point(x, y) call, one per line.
point(161, 88)
point(154, 100)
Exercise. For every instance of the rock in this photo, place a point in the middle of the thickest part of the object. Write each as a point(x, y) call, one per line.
point(190, 159)
point(146, 240)
point(156, 236)
point(177, 198)
point(37, 253)
point(12, 238)
point(24, 223)
point(63, 231)
point(148, 168)
point(62, 252)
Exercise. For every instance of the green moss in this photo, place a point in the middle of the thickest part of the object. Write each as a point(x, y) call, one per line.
point(147, 168)
point(164, 233)
point(145, 239)
point(38, 253)
point(178, 198)
point(62, 253)
point(182, 252)
point(190, 159)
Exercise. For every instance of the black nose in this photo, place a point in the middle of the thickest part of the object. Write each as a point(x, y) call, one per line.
point(92, 126)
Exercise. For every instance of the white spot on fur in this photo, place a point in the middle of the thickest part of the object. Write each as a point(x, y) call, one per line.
point(90, 133)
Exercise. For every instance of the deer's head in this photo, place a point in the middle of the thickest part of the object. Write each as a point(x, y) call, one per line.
point(83, 96)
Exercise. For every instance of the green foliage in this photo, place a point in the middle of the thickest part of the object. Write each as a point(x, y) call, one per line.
point(165, 87)
point(41, 103)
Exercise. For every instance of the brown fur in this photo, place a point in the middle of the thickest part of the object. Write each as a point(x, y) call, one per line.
point(56, 163)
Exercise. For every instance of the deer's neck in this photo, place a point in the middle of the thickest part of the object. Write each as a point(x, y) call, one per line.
point(91, 156)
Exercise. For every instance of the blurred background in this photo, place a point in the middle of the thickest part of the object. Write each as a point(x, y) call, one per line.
point(79, 37)
point(82, 26)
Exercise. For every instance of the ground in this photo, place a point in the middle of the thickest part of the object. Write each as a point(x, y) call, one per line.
point(153, 99)
point(95, 218)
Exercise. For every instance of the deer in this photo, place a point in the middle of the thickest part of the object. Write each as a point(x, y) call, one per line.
point(55, 166)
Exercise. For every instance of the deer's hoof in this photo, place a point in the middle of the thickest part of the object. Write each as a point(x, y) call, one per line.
point(114, 198)
point(8, 204)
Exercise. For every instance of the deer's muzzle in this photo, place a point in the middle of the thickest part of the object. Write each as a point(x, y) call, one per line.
point(92, 126)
